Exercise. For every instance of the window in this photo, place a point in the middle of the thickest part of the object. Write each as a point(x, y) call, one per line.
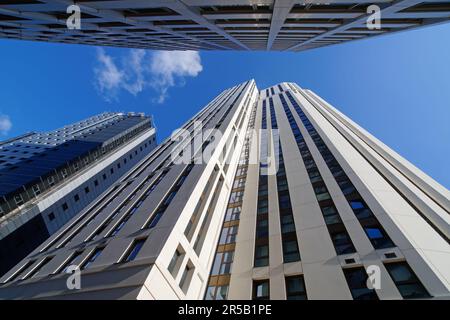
point(71, 261)
point(36, 190)
point(37, 268)
point(133, 250)
point(263, 206)
point(175, 262)
point(96, 183)
point(187, 276)
point(342, 242)
point(217, 293)
point(227, 262)
point(92, 257)
point(104, 177)
point(295, 288)
point(357, 282)
point(261, 290)
point(290, 251)
point(22, 269)
point(378, 237)
point(236, 196)
point(321, 193)
point(314, 176)
point(228, 235)
point(51, 216)
point(406, 281)
point(86, 190)
point(360, 209)
point(233, 214)
point(18, 199)
point(51, 181)
point(65, 207)
point(287, 223)
point(330, 215)
point(262, 256)
point(346, 187)
point(262, 228)
point(76, 197)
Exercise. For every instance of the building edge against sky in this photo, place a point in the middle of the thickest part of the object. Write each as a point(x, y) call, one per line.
point(283, 25)
point(340, 202)
point(48, 178)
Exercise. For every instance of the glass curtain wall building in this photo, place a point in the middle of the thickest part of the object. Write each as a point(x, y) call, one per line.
point(47, 178)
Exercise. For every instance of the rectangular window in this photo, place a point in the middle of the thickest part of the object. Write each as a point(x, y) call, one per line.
point(92, 257)
point(360, 209)
point(72, 261)
point(378, 237)
point(406, 281)
point(290, 251)
point(18, 199)
point(233, 214)
point(261, 290)
point(187, 277)
point(287, 223)
point(36, 190)
point(133, 250)
point(65, 207)
point(22, 269)
point(262, 255)
point(295, 288)
point(37, 268)
point(331, 215)
point(342, 242)
point(175, 262)
point(51, 181)
point(222, 263)
point(76, 198)
point(357, 282)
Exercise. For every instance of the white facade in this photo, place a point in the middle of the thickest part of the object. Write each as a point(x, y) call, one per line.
point(340, 205)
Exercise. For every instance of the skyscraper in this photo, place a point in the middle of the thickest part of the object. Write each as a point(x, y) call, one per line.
point(215, 25)
point(270, 194)
point(47, 178)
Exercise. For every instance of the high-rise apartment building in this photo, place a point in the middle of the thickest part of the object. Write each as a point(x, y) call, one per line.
point(215, 24)
point(47, 178)
point(270, 194)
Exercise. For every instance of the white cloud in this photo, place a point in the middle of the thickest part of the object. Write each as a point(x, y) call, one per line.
point(141, 69)
point(5, 124)
point(168, 65)
point(108, 76)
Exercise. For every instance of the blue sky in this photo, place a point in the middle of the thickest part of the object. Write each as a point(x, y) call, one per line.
point(396, 86)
